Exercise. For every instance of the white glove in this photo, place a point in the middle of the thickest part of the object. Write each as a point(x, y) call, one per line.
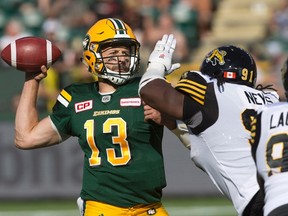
point(173, 67)
point(160, 61)
point(162, 54)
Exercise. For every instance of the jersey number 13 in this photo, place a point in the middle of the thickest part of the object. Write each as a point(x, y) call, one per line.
point(120, 139)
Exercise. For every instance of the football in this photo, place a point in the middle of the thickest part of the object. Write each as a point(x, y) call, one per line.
point(28, 54)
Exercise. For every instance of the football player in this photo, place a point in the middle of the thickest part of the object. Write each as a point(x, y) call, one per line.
point(216, 104)
point(123, 162)
point(284, 71)
point(269, 140)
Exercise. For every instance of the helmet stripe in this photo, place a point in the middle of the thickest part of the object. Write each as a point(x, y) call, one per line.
point(120, 29)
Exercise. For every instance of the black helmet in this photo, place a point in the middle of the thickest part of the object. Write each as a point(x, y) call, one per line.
point(230, 64)
point(284, 71)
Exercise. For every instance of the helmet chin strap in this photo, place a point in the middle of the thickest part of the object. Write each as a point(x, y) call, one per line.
point(115, 77)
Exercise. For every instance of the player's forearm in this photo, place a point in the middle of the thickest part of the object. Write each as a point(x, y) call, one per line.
point(163, 97)
point(26, 114)
point(153, 94)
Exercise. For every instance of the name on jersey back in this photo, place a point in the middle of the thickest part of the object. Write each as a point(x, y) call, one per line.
point(258, 98)
point(278, 119)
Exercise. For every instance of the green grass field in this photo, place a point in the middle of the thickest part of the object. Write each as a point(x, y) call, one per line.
point(175, 207)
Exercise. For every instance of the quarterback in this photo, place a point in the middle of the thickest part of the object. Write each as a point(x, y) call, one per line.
point(123, 163)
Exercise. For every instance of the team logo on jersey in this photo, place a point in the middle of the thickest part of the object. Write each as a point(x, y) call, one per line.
point(106, 112)
point(106, 98)
point(130, 102)
point(82, 106)
point(216, 56)
point(151, 211)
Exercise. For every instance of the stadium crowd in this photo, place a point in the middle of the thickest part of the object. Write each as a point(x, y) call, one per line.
point(65, 22)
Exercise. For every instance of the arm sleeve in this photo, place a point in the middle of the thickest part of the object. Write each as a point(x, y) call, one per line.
point(61, 112)
point(181, 131)
point(200, 108)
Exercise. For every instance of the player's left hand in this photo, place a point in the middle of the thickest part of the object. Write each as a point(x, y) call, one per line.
point(154, 115)
point(163, 53)
point(151, 114)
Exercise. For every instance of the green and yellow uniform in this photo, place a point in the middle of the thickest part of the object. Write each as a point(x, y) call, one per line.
point(123, 161)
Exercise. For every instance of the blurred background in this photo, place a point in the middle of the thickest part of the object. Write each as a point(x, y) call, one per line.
point(259, 26)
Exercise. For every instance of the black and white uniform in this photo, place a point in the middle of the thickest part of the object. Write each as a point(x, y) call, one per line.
point(270, 151)
point(219, 121)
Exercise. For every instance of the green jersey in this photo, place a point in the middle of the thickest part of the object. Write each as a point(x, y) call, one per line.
point(123, 161)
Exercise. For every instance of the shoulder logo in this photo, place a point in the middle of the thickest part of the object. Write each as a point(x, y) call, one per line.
point(82, 106)
point(130, 102)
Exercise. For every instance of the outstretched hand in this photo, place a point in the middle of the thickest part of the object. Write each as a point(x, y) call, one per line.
point(160, 61)
point(163, 53)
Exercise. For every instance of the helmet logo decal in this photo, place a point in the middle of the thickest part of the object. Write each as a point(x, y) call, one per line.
point(230, 75)
point(216, 56)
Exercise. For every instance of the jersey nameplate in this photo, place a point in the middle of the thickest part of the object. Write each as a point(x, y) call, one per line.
point(278, 120)
point(257, 98)
point(82, 106)
point(130, 102)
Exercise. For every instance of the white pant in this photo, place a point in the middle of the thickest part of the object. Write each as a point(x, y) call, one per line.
point(80, 203)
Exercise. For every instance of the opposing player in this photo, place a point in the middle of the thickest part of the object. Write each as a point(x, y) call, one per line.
point(269, 145)
point(216, 104)
point(284, 71)
point(123, 162)
point(269, 140)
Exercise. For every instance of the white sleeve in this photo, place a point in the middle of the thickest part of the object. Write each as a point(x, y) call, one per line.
point(181, 131)
point(154, 71)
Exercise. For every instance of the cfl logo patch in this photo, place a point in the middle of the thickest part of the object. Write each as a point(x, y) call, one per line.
point(106, 98)
point(82, 106)
point(151, 211)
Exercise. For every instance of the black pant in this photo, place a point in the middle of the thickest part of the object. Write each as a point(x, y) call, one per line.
point(280, 211)
point(255, 206)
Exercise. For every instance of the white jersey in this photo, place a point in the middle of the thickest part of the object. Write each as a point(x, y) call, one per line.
point(219, 123)
point(269, 145)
